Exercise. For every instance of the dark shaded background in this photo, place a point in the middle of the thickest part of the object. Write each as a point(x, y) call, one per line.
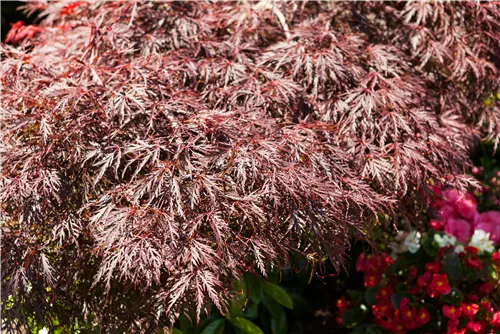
point(10, 15)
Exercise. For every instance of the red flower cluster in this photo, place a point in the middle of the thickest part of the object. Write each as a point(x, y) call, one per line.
point(399, 321)
point(373, 266)
point(434, 282)
point(342, 304)
point(469, 311)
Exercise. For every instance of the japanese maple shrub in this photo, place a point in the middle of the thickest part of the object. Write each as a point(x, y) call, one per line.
point(154, 151)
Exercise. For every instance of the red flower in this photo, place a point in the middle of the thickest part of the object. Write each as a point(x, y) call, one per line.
point(472, 298)
point(361, 262)
point(452, 312)
point(408, 315)
point(496, 257)
point(412, 271)
point(424, 280)
point(373, 263)
point(433, 267)
point(341, 304)
point(438, 285)
point(398, 327)
point(474, 263)
point(423, 316)
point(495, 321)
point(410, 325)
point(470, 310)
point(383, 309)
point(437, 225)
point(487, 307)
point(385, 323)
point(373, 266)
point(403, 304)
point(453, 325)
point(485, 288)
point(372, 279)
point(474, 327)
point(454, 330)
point(471, 250)
point(384, 293)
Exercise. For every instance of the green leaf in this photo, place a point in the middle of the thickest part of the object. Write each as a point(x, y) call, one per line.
point(251, 311)
point(352, 317)
point(241, 289)
point(434, 325)
point(236, 307)
point(451, 265)
point(397, 297)
point(371, 295)
point(246, 326)
point(255, 288)
point(430, 247)
point(274, 308)
point(455, 297)
point(367, 329)
point(185, 324)
point(279, 325)
point(176, 331)
point(414, 258)
point(300, 305)
point(399, 266)
point(400, 287)
point(360, 329)
point(215, 327)
point(491, 272)
point(280, 295)
point(356, 295)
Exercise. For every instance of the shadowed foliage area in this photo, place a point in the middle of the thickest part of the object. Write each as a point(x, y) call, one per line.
point(152, 152)
point(10, 15)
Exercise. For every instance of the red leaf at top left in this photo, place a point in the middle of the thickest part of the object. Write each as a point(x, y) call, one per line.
point(19, 31)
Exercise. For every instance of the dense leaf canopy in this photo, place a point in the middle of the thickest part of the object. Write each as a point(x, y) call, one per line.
point(153, 151)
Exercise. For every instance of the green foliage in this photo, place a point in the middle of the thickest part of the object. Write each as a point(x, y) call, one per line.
point(259, 307)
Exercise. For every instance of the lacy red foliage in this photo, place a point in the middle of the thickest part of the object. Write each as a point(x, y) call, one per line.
point(169, 147)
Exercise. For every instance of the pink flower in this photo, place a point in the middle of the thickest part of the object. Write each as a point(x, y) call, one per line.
point(457, 204)
point(460, 228)
point(490, 223)
point(466, 205)
point(447, 212)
